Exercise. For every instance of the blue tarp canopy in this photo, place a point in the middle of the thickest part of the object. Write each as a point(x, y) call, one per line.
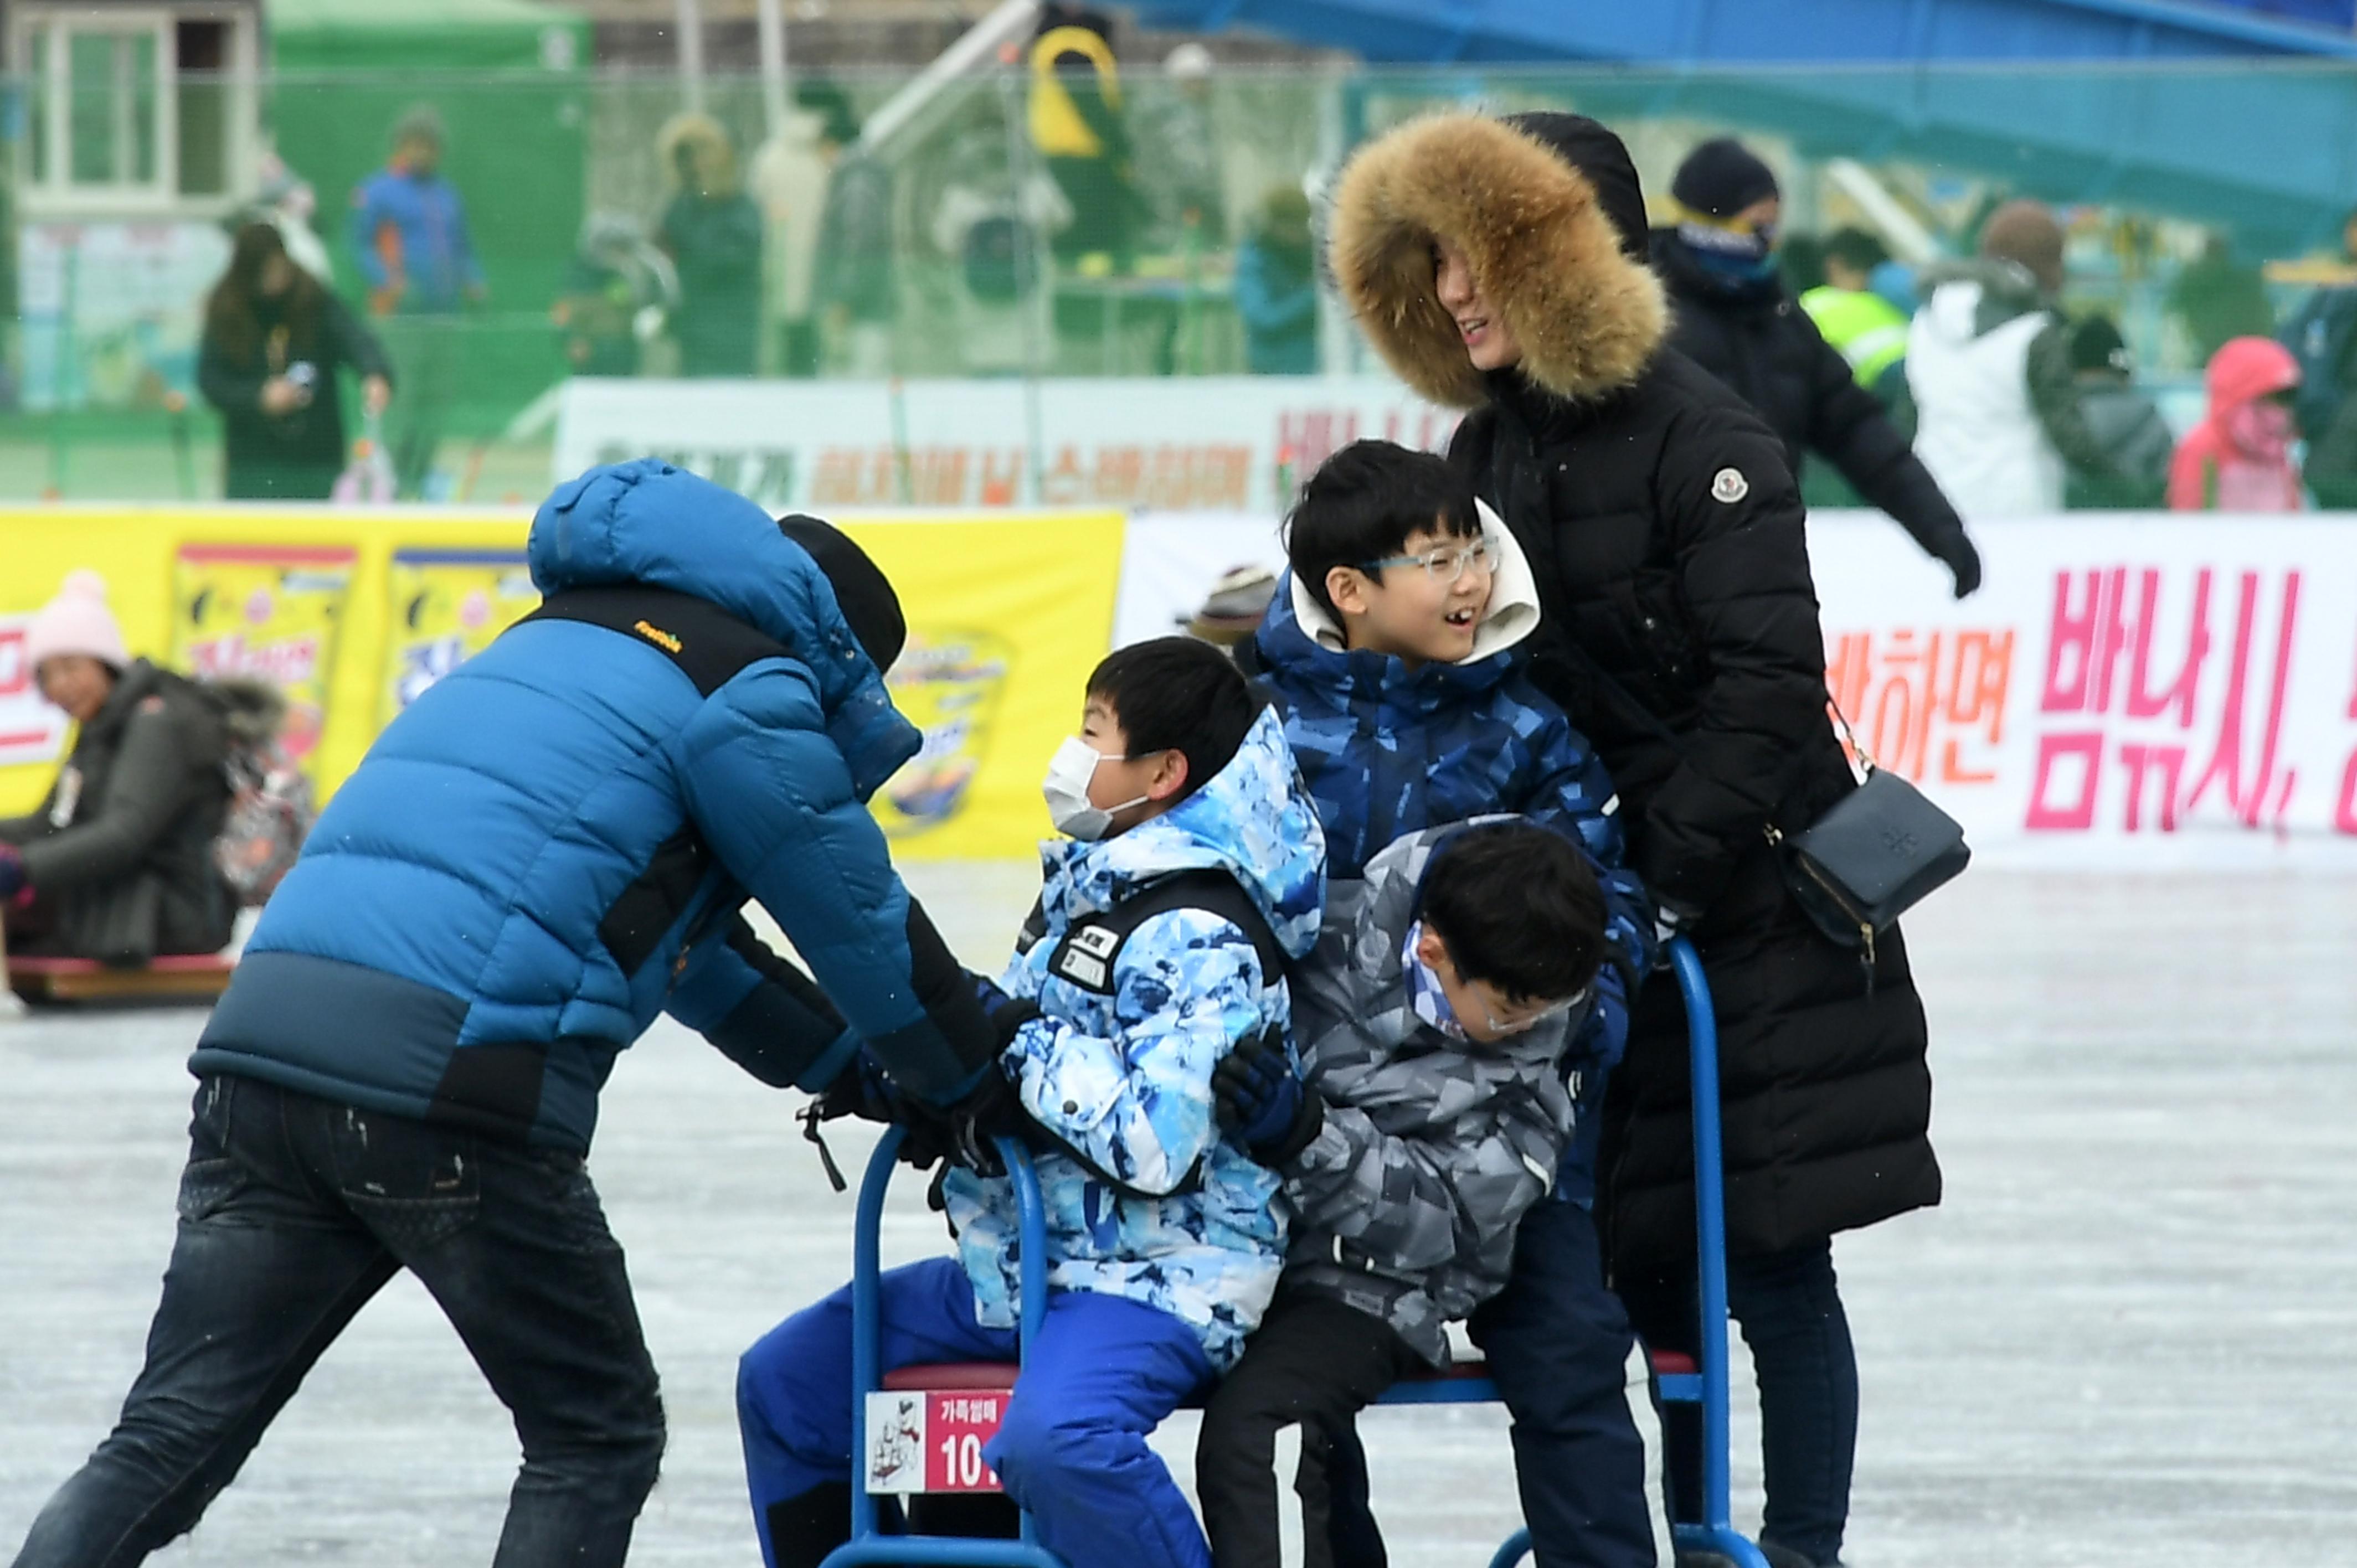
point(2209, 112)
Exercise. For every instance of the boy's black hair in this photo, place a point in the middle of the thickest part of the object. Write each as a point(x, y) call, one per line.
point(1363, 502)
point(1517, 908)
point(1176, 694)
point(1854, 247)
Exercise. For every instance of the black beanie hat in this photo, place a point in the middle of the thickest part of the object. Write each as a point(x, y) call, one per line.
point(1722, 178)
point(860, 586)
point(1601, 156)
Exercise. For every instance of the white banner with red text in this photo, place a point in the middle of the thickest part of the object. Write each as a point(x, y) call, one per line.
point(1159, 443)
point(2126, 692)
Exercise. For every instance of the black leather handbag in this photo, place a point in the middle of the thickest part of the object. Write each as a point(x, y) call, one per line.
point(1874, 854)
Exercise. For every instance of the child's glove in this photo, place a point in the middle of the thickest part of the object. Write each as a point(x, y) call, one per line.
point(12, 872)
point(1262, 1101)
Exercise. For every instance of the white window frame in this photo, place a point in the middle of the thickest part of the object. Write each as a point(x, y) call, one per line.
point(59, 194)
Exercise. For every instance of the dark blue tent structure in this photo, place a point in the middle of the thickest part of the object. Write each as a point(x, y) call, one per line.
point(2228, 114)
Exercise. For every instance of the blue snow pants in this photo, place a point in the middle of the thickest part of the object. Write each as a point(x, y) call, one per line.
point(1104, 1371)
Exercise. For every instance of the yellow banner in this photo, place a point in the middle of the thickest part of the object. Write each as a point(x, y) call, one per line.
point(358, 611)
point(445, 606)
point(266, 613)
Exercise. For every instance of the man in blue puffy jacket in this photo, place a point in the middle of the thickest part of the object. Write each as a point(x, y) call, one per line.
point(545, 850)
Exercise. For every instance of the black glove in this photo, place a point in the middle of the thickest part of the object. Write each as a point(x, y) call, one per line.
point(1260, 1099)
point(974, 1124)
point(860, 1089)
point(863, 1090)
point(1964, 563)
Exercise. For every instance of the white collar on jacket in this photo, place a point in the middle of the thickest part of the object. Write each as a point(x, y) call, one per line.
point(1512, 615)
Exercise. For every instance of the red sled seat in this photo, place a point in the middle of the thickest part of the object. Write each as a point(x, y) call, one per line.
point(196, 977)
point(961, 1377)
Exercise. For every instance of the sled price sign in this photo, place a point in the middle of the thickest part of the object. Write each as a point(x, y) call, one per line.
point(930, 1440)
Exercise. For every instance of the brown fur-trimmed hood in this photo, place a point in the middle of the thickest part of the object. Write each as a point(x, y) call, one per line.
point(1549, 259)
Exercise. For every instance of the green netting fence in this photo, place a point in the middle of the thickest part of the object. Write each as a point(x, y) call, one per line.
point(957, 248)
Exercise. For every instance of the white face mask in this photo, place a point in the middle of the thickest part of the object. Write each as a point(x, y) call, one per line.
point(1066, 790)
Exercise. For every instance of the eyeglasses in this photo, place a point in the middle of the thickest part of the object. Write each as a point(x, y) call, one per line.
point(1446, 562)
point(1517, 1022)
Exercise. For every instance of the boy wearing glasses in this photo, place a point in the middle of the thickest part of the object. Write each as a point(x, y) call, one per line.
point(1433, 1113)
point(1390, 651)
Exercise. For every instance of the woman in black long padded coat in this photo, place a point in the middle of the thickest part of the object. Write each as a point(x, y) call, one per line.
point(1498, 266)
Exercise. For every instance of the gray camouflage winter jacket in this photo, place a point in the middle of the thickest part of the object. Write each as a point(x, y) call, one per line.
point(1406, 1204)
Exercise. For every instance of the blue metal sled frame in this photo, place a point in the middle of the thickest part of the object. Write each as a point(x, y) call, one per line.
point(1705, 1387)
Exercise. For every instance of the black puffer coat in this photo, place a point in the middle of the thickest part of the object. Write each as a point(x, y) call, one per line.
point(121, 851)
point(1667, 535)
point(1763, 345)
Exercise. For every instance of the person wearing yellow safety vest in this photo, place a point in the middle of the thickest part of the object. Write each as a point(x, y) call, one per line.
point(1859, 325)
point(1076, 128)
point(1735, 320)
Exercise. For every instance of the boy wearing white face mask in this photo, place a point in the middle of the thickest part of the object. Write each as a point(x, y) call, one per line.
point(1194, 872)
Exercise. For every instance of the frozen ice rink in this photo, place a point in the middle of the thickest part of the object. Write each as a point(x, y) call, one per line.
point(2129, 1337)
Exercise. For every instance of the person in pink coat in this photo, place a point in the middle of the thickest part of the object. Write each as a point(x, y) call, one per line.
point(2239, 459)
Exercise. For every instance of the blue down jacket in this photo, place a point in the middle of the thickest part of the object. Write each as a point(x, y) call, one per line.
point(442, 949)
point(1389, 751)
point(1124, 1077)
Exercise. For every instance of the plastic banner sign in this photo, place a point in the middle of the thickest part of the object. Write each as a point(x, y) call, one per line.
point(923, 1440)
point(2126, 692)
point(444, 607)
point(356, 614)
point(31, 730)
point(268, 613)
point(1159, 444)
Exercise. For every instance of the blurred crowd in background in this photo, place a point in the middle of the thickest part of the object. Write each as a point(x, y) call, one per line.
point(1110, 205)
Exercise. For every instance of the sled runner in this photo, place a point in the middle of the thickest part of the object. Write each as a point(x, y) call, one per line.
point(198, 978)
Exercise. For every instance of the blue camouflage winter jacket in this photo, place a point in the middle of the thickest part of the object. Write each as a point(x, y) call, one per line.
point(1123, 1076)
point(552, 844)
point(1389, 751)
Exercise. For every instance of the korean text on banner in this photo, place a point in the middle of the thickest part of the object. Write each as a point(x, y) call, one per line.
point(1200, 444)
point(2126, 692)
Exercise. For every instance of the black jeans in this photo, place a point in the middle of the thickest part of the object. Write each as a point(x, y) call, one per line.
point(1791, 1313)
point(294, 1212)
point(1312, 1363)
point(1558, 1344)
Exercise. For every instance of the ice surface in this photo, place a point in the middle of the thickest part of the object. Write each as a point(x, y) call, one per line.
point(2129, 1337)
